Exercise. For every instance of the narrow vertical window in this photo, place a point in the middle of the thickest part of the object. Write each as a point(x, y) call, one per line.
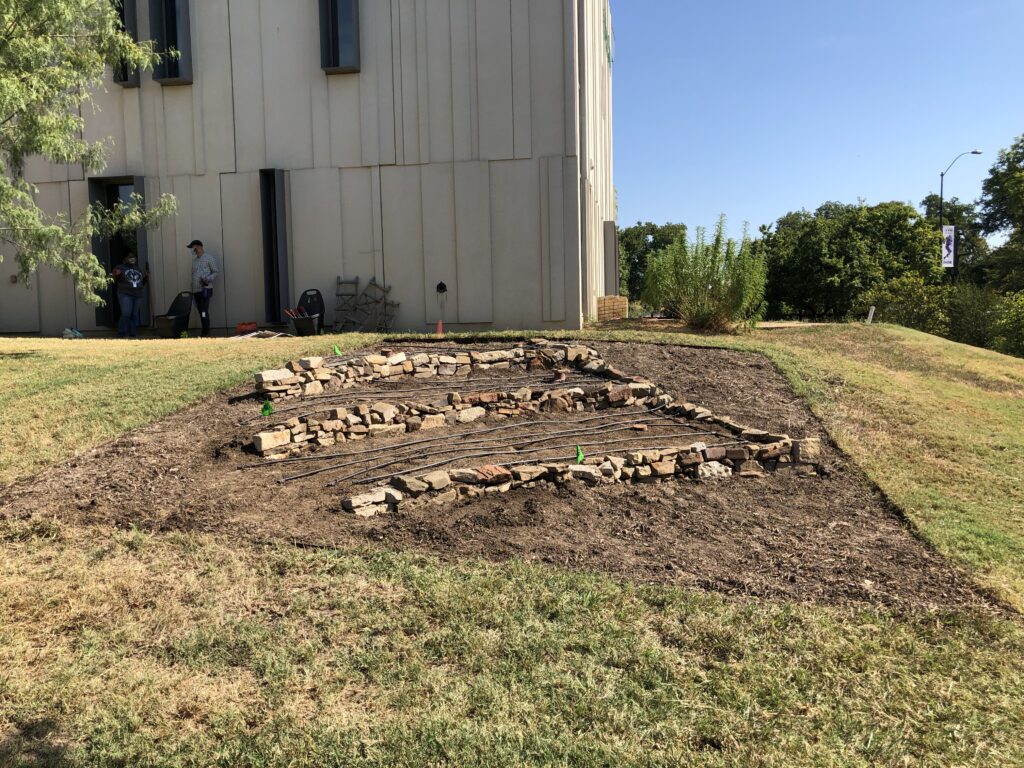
point(339, 36)
point(275, 243)
point(170, 29)
point(123, 75)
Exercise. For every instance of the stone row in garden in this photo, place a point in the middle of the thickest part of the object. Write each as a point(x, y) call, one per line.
point(698, 462)
point(312, 375)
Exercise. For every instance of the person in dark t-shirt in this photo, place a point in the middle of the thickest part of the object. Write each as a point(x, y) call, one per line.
point(131, 287)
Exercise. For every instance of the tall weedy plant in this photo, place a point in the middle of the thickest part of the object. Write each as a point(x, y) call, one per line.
point(713, 286)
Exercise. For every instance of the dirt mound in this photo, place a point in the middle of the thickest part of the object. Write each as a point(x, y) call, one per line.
point(828, 538)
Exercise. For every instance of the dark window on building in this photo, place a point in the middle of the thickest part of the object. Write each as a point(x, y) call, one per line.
point(339, 36)
point(275, 243)
point(126, 10)
point(170, 29)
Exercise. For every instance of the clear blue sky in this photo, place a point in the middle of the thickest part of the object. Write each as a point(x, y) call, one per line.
point(753, 108)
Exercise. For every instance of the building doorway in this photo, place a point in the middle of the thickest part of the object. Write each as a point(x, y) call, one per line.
point(112, 251)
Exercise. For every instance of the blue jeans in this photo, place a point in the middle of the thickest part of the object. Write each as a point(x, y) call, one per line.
point(131, 312)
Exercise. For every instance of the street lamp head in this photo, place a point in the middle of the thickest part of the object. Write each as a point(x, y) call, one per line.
point(977, 152)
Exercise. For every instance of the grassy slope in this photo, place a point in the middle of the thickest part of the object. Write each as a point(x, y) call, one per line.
point(124, 648)
point(68, 396)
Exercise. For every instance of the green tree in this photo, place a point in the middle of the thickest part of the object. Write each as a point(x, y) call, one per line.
point(53, 55)
point(820, 264)
point(636, 244)
point(1002, 212)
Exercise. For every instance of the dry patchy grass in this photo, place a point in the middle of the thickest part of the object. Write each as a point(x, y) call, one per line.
point(123, 648)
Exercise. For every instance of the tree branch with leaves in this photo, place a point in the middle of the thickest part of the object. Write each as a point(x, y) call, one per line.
point(53, 56)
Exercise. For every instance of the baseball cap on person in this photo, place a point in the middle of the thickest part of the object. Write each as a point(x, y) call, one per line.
point(194, 243)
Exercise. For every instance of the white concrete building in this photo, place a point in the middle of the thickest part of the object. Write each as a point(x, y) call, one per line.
point(412, 141)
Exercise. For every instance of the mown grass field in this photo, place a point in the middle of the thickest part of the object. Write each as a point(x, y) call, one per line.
point(128, 648)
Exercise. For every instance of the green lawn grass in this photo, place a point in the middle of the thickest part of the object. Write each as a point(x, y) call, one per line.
point(125, 648)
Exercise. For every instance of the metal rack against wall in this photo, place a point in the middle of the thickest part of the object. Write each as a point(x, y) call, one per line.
point(366, 310)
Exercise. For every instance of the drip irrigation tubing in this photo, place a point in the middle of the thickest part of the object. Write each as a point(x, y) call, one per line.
point(514, 444)
point(420, 470)
point(622, 418)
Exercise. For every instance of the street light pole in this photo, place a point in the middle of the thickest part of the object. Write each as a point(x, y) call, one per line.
point(942, 185)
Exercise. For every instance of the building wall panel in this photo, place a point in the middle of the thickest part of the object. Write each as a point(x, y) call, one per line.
point(344, 93)
point(316, 231)
point(464, 88)
point(19, 304)
point(439, 247)
point(494, 79)
point(285, 36)
point(247, 85)
point(515, 243)
point(360, 252)
point(56, 291)
point(242, 258)
point(473, 242)
point(212, 52)
point(553, 237)
point(438, 63)
point(547, 90)
point(403, 242)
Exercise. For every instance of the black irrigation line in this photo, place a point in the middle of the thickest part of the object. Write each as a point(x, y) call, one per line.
point(343, 400)
point(420, 470)
point(514, 443)
point(616, 418)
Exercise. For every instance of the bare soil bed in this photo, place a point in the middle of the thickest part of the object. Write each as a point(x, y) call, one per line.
point(831, 538)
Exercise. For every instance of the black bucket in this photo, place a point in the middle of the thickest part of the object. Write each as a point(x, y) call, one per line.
point(306, 326)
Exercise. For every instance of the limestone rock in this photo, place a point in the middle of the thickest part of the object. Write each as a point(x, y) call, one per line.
point(387, 430)
point(529, 474)
point(713, 470)
point(470, 414)
point(807, 451)
point(386, 411)
point(268, 441)
point(437, 481)
point(466, 476)
point(587, 473)
point(434, 421)
point(663, 468)
point(410, 485)
point(376, 496)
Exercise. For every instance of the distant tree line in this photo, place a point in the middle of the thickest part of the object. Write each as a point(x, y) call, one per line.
point(837, 261)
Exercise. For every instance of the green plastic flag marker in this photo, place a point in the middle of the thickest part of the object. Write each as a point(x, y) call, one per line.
point(579, 455)
point(337, 351)
point(268, 408)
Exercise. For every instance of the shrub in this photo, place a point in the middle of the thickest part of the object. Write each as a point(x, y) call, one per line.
point(910, 301)
point(974, 313)
point(1010, 326)
point(709, 285)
